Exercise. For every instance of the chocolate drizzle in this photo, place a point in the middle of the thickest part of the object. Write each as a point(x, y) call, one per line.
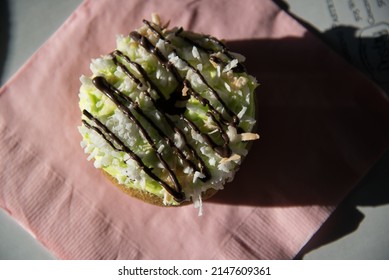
point(166, 108)
point(144, 42)
point(223, 49)
point(101, 129)
point(150, 25)
point(115, 95)
point(126, 71)
point(235, 120)
point(223, 151)
point(166, 105)
point(148, 46)
point(192, 152)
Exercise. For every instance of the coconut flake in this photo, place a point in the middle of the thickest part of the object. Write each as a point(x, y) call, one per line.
point(155, 19)
point(225, 167)
point(233, 63)
point(241, 82)
point(227, 86)
point(161, 46)
point(165, 195)
point(242, 112)
point(86, 80)
point(214, 64)
point(248, 136)
point(198, 175)
point(178, 141)
point(196, 136)
point(234, 157)
point(196, 53)
point(93, 154)
point(179, 63)
point(101, 64)
point(218, 69)
point(142, 181)
point(158, 74)
point(232, 133)
point(212, 161)
point(188, 170)
point(185, 90)
point(83, 144)
point(194, 78)
point(160, 148)
point(198, 202)
point(157, 115)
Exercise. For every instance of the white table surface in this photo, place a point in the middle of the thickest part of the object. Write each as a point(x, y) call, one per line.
point(357, 230)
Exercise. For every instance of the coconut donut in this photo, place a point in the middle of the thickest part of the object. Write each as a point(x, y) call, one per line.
point(168, 115)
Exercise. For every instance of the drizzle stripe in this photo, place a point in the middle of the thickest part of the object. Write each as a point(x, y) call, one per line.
point(101, 129)
point(111, 92)
point(148, 46)
point(201, 167)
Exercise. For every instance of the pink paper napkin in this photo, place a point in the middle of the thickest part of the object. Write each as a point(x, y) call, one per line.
point(322, 126)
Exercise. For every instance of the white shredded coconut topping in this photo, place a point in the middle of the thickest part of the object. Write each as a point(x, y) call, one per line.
point(227, 86)
point(233, 63)
point(242, 112)
point(160, 149)
point(195, 53)
point(218, 68)
point(198, 202)
point(178, 141)
point(197, 175)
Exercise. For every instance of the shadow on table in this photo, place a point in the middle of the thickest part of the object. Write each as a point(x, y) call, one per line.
point(321, 125)
point(371, 191)
point(4, 35)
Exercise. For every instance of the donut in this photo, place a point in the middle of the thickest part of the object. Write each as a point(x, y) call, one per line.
point(168, 115)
